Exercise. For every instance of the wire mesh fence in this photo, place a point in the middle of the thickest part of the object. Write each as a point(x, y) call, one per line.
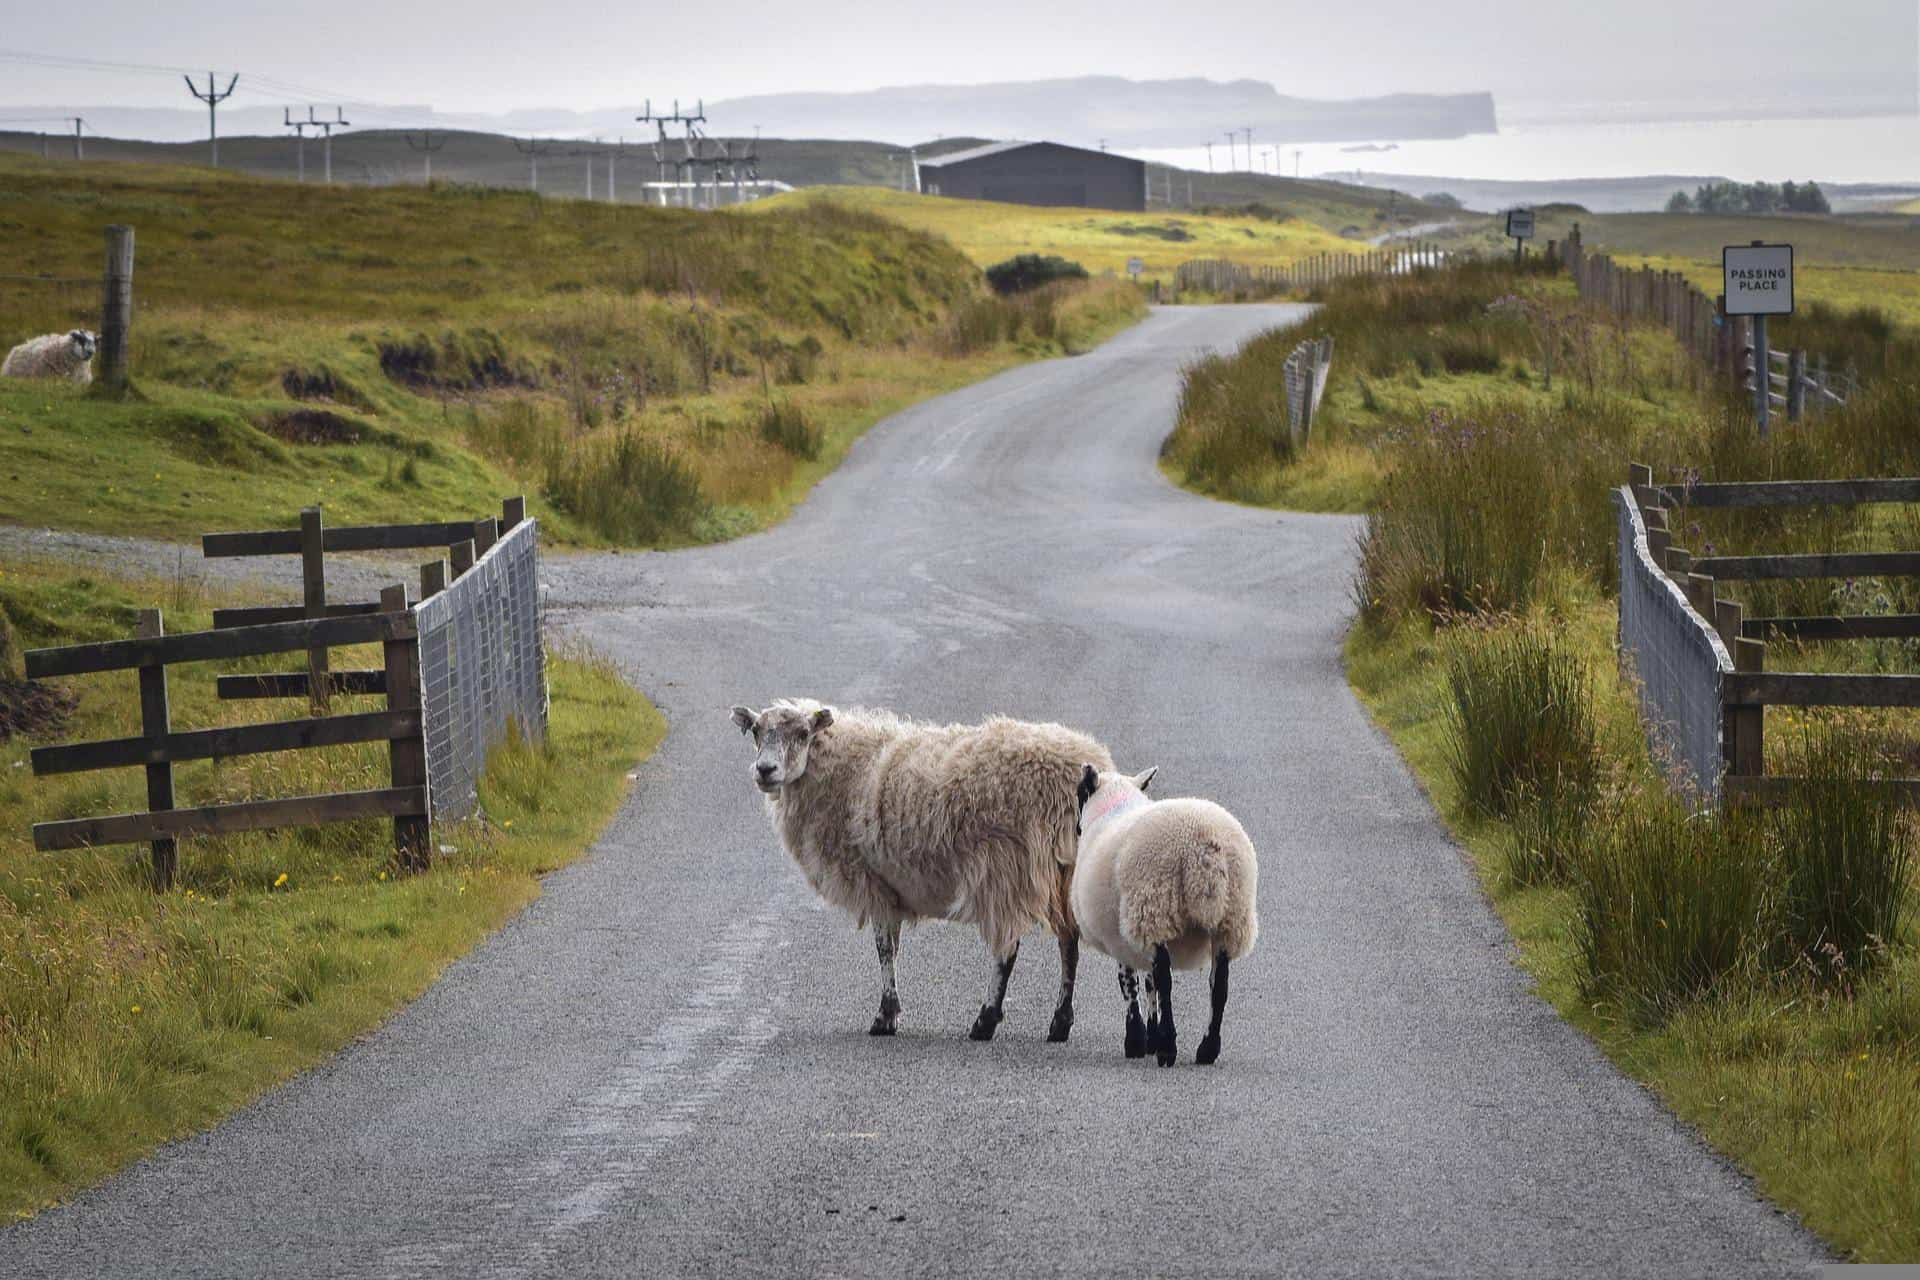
point(1305, 372)
point(482, 667)
point(1679, 663)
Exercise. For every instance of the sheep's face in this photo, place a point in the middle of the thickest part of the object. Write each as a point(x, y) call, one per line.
point(783, 733)
point(83, 344)
point(1105, 794)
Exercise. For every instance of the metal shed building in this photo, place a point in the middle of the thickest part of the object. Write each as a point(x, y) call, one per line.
point(1037, 173)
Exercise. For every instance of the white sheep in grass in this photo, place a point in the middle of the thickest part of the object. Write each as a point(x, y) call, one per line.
point(1159, 886)
point(898, 822)
point(53, 355)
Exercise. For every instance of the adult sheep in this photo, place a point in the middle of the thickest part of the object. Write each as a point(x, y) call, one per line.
point(1163, 886)
point(897, 822)
point(53, 355)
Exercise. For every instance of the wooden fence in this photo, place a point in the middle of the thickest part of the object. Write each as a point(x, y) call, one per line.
point(1794, 382)
point(159, 747)
point(1305, 373)
point(313, 626)
point(1749, 689)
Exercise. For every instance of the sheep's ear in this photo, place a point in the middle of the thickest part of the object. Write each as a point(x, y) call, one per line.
point(821, 719)
point(745, 718)
point(1145, 776)
point(1089, 783)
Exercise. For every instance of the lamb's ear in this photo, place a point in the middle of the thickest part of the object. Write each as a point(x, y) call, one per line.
point(821, 719)
point(1145, 776)
point(745, 718)
point(1089, 783)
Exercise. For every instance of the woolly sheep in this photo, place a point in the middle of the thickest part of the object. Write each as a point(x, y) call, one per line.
point(897, 821)
point(53, 355)
point(1160, 886)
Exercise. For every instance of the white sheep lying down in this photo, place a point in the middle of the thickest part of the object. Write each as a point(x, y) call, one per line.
point(1163, 885)
point(53, 355)
point(897, 821)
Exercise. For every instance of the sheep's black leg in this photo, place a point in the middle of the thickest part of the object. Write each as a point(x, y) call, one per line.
point(1069, 968)
point(886, 940)
point(1136, 1041)
point(1163, 1045)
point(994, 1010)
point(1210, 1047)
point(1153, 1011)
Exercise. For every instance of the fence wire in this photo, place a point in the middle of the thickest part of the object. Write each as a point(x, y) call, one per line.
point(482, 668)
point(1678, 661)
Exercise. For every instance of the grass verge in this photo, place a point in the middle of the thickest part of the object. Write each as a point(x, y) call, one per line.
point(129, 1019)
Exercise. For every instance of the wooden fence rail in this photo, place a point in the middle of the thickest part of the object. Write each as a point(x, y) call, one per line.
point(159, 747)
point(1748, 690)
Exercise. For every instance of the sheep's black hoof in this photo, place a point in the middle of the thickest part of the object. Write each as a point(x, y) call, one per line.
point(1208, 1051)
point(1166, 1052)
point(1136, 1035)
point(882, 1026)
point(1061, 1026)
point(984, 1025)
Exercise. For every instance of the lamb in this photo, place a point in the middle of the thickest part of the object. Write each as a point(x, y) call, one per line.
point(897, 821)
point(1161, 886)
point(53, 355)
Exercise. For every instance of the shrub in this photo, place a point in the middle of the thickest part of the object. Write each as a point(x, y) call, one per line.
point(1232, 421)
point(786, 425)
point(1845, 856)
point(1668, 905)
point(1030, 271)
point(1520, 722)
point(629, 489)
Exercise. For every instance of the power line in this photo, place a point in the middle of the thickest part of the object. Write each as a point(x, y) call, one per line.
point(426, 147)
point(213, 100)
point(532, 149)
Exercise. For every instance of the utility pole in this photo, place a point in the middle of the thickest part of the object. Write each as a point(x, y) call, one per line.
point(299, 128)
point(685, 170)
point(1103, 144)
point(1209, 157)
point(326, 128)
point(1250, 163)
point(213, 99)
point(78, 124)
point(1296, 162)
point(426, 147)
point(532, 149)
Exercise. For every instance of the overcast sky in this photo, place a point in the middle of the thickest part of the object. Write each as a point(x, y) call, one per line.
point(484, 55)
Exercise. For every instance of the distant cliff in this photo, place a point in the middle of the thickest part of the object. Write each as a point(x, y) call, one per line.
point(1127, 113)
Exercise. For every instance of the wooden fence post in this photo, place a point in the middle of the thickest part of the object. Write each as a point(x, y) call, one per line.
point(116, 310)
point(433, 578)
point(406, 757)
point(1728, 616)
point(512, 512)
point(313, 576)
point(486, 532)
point(1746, 724)
point(461, 554)
point(1796, 385)
point(155, 724)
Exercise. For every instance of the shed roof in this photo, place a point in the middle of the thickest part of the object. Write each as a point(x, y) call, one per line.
point(996, 148)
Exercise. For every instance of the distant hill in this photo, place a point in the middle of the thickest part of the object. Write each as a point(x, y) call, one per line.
point(1610, 195)
point(1127, 113)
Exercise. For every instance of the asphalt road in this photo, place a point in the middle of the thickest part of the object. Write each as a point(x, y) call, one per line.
point(661, 1069)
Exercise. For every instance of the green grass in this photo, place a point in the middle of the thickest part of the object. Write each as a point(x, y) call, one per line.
point(1099, 240)
point(362, 348)
point(1814, 1089)
point(127, 1018)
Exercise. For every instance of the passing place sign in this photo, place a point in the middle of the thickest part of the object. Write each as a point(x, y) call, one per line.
point(1759, 279)
point(1520, 224)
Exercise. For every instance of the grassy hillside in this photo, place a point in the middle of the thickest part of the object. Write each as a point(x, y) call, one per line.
point(1100, 240)
point(653, 376)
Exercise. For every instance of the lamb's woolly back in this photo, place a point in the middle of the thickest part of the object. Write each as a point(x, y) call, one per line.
point(52, 355)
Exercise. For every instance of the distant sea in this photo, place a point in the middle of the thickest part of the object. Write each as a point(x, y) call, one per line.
point(1558, 145)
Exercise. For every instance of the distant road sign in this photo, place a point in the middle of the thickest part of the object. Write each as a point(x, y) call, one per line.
point(1759, 279)
point(1520, 224)
point(1135, 267)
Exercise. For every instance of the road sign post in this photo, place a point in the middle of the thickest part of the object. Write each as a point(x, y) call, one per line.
point(1134, 267)
point(1759, 282)
point(1520, 227)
